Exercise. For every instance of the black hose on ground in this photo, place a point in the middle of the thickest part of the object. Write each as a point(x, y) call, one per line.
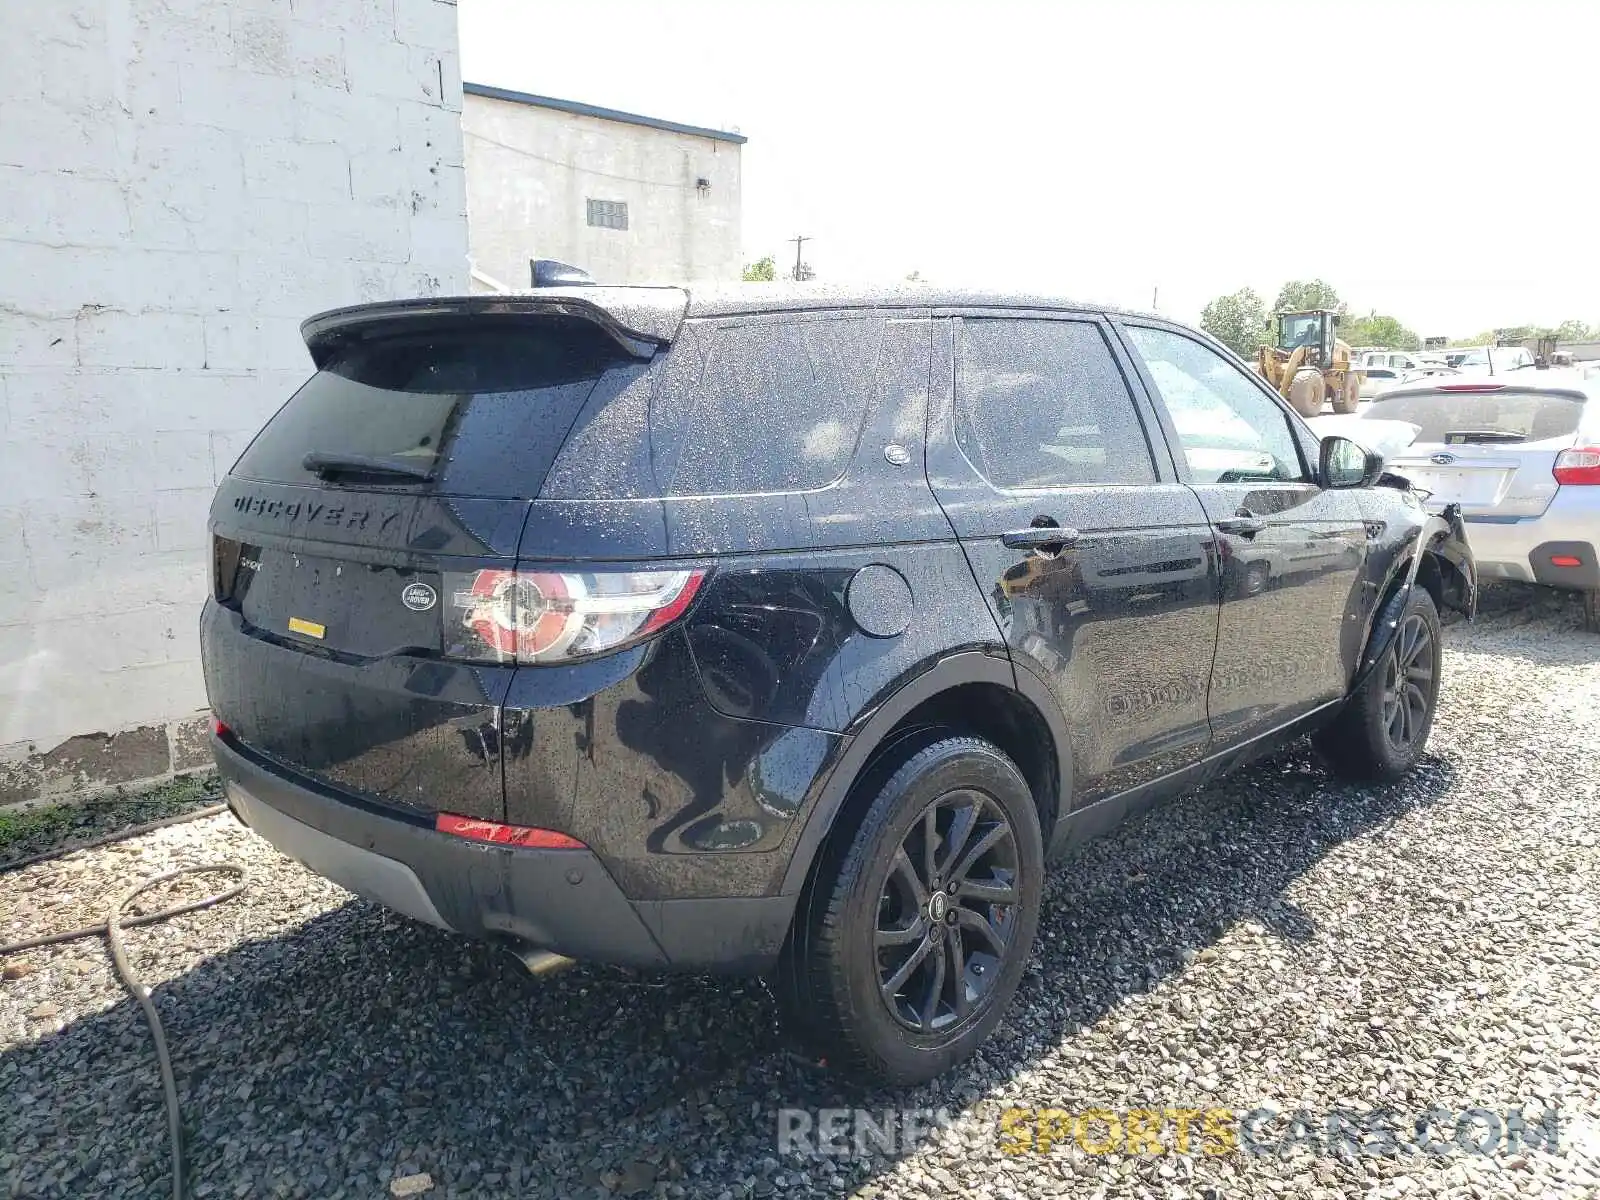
point(111, 928)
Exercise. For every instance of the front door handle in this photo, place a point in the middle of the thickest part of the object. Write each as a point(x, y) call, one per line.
point(1039, 537)
point(1245, 525)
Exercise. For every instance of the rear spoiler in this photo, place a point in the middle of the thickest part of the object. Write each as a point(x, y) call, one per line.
point(1485, 386)
point(641, 319)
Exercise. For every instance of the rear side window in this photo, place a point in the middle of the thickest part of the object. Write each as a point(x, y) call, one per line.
point(1041, 404)
point(778, 406)
point(1484, 416)
point(476, 410)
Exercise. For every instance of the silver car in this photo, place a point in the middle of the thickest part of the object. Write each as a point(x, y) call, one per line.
point(1521, 455)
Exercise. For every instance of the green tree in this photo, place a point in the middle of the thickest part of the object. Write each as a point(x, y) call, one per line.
point(1237, 320)
point(763, 270)
point(1377, 329)
point(1477, 339)
point(1570, 331)
point(1299, 295)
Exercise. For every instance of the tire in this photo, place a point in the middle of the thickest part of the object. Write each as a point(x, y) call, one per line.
point(890, 975)
point(1256, 577)
point(1591, 610)
point(1348, 397)
point(1383, 728)
point(1307, 392)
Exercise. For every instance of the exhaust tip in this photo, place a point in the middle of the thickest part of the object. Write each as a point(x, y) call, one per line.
point(541, 962)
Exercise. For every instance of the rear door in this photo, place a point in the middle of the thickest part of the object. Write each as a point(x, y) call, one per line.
point(1291, 553)
point(1489, 447)
point(1094, 559)
point(357, 526)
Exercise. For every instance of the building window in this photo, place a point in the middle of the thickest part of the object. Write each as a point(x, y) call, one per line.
point(608, 214)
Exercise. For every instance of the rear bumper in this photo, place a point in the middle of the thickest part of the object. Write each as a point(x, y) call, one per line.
point(559, 900)
point(1522, 549)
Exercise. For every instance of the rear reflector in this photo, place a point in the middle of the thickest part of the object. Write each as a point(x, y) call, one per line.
point(219, 729)
point(525, 836)
point(1565, 560)
point(1580, 464)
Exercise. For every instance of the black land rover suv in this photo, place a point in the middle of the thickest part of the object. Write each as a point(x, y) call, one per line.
point(790, 629)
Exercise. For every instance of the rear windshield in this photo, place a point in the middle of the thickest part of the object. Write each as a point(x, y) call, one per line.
point(1448, 416)
point(472, 411)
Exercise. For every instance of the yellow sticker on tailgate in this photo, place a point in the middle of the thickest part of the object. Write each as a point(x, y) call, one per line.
point(309, 628)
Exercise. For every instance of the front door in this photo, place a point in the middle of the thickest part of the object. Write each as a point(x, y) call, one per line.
point(1095, 561)
point(1291, 553)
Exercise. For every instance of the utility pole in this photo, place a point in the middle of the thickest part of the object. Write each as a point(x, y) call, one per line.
point(799, 241)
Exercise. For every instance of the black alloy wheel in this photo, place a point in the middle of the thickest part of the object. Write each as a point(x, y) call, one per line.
point(1408, 683)
point(914, 931)
point(946, 912)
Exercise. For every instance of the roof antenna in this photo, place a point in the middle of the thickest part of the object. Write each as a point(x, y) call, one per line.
point(547, 272)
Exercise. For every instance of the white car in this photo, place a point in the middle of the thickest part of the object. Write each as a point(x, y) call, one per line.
point(1521, 456)
point(1383, 379)
point(1379, 379)
point(1497, 360)
point(1397, 360)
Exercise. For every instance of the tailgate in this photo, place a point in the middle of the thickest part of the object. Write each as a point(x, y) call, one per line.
point(1485, 481)
point(334, 658)
point(1489, 447)
point(360, 520)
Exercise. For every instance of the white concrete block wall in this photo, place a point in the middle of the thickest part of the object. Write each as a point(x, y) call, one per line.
point(181, 182)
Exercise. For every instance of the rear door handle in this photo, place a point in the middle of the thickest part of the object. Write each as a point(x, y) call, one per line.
point(1037, 537)
point(1245, 526)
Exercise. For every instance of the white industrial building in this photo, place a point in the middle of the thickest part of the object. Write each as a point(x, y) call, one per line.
point(180, 184)
point(630, 199)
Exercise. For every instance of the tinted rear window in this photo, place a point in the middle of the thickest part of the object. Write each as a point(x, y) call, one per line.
point(482, 409)
point(1533, 416)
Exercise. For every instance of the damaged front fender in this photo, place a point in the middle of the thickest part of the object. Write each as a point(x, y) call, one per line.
point(1445, 538)
point(1441, 560)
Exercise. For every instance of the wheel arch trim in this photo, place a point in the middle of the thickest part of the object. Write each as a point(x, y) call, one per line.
point(946, 674)
point(1430, 541)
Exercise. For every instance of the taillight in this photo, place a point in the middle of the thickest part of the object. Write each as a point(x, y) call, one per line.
point(219, 728)
point(555, 616)
point(1470, 387)
point(225, 554)
point(526, 836)
point(1580, 464)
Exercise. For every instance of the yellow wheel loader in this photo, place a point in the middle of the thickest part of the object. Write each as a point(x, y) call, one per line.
point(1310, 364)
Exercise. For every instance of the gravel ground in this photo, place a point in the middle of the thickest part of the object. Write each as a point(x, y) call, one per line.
point(27, 832)
point(1278, 941)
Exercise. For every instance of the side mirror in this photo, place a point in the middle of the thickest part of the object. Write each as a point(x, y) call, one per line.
point(1344, 464)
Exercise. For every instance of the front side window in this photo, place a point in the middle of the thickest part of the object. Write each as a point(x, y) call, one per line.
point(1042, 404)
point(1300, 331)
point(1230, 430)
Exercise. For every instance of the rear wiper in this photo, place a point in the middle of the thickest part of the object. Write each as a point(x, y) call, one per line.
point(323, 464)
point(1475, 437)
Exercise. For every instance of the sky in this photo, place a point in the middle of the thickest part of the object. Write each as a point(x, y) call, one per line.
point(1436, 162)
